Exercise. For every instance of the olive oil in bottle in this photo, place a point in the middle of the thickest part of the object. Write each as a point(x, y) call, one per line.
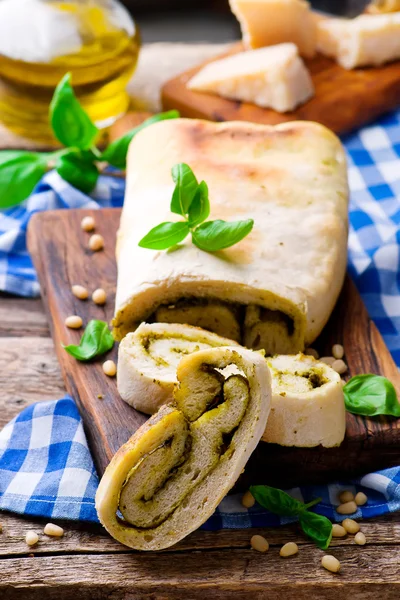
point(41, 40)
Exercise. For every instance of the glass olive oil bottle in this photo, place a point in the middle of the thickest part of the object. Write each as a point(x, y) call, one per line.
point(41, 40)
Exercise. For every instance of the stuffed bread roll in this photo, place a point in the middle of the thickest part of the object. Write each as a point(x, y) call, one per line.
point(148, 359)
point(276, 288)
point(172, 474)
point(307, 407)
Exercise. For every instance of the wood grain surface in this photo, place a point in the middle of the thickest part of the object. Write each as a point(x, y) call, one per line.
point(62, 259)
point(344, 100)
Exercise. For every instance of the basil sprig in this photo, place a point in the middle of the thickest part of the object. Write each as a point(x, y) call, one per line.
point(317, 527)
point(371, 395)
point(96, 340)
point(190, 200)
point(21, 171)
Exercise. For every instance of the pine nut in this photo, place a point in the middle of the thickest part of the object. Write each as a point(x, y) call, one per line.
point(88, 223)
point(74, 322)
point(339, 366)
point(337, 351)
point(99, 296)
point(351, 526)
point(1, 528)
point(346, 496)
point(31, 538)
point(248, 499)
point(347, 508)
point(312, 352)
point(80, 292)
point(343, 382)
point(338, 531)
point(53, 530)
point(110, 368)
point(361, 499)
point(328, 360)
point(330, 563)
point(96, 242)
point(360, 539)
point(259, 543)
point(289, 549)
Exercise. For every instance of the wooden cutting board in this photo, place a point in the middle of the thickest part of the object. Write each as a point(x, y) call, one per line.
point(344, 100)
point(60, 252)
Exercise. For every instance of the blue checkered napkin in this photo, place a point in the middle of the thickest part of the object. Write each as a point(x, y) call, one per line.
point(374, 242)
point(46, 470)
point(45, 465)
point(17, 274)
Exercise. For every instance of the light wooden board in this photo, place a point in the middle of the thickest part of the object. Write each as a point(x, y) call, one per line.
point(62, 258)
point(344, 100)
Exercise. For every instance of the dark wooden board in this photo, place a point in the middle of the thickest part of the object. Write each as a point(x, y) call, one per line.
point(60, 252)
point(344, 100)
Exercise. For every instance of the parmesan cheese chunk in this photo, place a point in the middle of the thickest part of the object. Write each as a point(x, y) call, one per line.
point(270, 22)
point(273, 77)
point(368, 40)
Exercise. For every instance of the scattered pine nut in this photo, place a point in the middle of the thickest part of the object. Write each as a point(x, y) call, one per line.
point(248, 499)
point(99, 296)
point(53, 530)
point(110, 368)
point(31, 538)
point(351, 526)
point(339, 366)
point(80, 292)
point(74, 322)
point(361, 499)
point(88, 223)
point(360, 539)
point(337, 351)
point(328, 360)
point(338, 531)
point(347, 508)
point(330, 563)
point(312, 352)
point(289, 549)
point(346, 496)
point(259, 543)
point(343, 382)
point(100, 396)
point(96, 242)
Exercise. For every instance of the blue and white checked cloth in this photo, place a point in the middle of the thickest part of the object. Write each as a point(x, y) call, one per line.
point(45, 465)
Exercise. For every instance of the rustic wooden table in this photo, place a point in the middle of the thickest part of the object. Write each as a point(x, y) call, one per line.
point(88, 565)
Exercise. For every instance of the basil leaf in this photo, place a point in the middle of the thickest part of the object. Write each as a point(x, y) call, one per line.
point(19, 174)
point(317, 527)
point(217, 235)
point(185, 188)
point(371, 395)
point(165, 235)
point(71, 124)
point(276, 501)
point(79, 170)
point(115, 153)
point(199, 209)
point(96, 340)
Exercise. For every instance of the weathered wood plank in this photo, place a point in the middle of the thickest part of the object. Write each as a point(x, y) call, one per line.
point(91, 538)
point(21, 317)
point(194, 575)
point(29, 372)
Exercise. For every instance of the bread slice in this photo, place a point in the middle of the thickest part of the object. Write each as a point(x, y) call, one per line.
point(307, 407)
point(270, 22)
point(172, 474)
point(273, 77)
point(148, 359)
point(290, 179)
